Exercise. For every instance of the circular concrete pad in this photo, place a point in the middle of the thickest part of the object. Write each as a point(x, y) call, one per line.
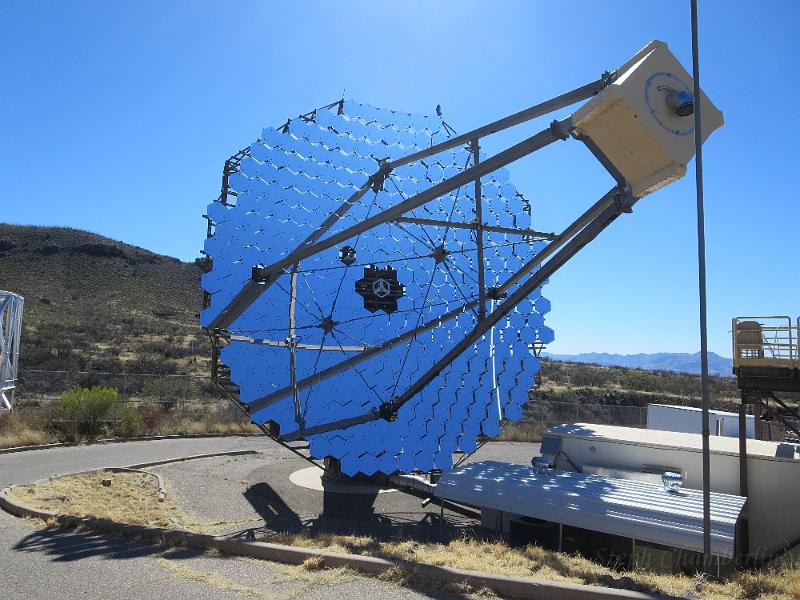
point(311, 478)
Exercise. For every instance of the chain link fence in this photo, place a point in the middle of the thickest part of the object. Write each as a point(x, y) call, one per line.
point(541, 415)
point(37, 387)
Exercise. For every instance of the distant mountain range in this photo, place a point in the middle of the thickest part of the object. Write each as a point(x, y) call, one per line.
point(659, 361)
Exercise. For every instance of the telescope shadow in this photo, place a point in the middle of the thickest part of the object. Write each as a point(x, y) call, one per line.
point(66, 545)
point(394, 520)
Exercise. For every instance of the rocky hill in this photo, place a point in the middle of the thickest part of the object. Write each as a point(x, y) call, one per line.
point(92, 303)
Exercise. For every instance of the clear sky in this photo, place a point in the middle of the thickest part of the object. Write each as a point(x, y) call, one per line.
point(116, 117)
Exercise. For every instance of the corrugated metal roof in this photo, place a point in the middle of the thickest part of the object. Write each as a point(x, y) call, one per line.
point(672, 439)
point(634, 509)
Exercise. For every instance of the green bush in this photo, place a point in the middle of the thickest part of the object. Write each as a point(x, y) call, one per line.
point(86, 411)
point(199, 412)
point(129, 421)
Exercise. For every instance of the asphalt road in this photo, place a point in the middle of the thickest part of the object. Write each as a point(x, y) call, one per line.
point(38, 562)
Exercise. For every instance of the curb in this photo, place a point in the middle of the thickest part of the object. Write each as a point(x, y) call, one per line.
point(174, 436)
point(162, 490)
point(518, 587)
point(165, 461)
point(146, 465)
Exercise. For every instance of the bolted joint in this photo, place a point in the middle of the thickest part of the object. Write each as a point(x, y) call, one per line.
point(377, 180)
point(608, 77)
point(561, 129)
point(256, 274)
point(625, 200)
point(388, 411)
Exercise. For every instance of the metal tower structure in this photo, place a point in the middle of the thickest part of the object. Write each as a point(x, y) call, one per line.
point(10, 333)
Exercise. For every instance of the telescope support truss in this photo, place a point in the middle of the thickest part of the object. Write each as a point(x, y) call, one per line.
point(560, 249)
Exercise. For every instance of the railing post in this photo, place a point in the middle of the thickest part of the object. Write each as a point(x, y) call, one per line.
point(476, 154)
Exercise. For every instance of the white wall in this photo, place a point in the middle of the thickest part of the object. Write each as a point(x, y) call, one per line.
point(774, 484)
point(689, 420)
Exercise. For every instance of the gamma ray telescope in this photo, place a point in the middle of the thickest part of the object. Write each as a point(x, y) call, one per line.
point(374, 284)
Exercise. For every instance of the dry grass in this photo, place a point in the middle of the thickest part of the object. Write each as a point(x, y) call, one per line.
point(26, 437)
point(189, 426)
point(213, 579)
point(34, 427)
point(283, 581)
point(533, 561)
point(521, 432)
point(131, 498)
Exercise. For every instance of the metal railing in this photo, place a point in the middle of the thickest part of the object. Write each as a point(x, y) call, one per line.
point(10, 332)
point(765, 341)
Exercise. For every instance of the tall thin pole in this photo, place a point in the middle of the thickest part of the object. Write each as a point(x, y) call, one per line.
point(701, 260)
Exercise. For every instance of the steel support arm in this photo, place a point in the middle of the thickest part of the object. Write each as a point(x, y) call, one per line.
point(590, 232)
point(253, 289)
point(615, 203)
point(521, 231)
point(581, 222)
point(543, 108)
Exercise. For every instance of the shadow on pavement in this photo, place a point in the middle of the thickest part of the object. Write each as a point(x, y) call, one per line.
point(67, 545)
point(271, 507)
point(383, 526)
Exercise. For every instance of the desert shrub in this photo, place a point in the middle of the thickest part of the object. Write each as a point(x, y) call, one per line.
point(163, 348)
point(228, 412)
point(169, 391)
point(24, 427)
point(152, 363)
point(129, 421)
point(198, 412)
point(87, 410)
point(153, 420)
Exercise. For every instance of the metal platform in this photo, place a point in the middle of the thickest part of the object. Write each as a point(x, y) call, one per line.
point(766, 359)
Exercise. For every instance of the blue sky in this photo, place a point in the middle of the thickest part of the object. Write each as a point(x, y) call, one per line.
point(116, 117)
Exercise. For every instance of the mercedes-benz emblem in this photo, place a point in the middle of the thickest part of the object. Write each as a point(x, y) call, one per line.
point(381, 288)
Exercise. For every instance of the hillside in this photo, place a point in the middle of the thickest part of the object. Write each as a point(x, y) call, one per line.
point(95, 304)
point(92, 303)
point(658, 361)
point(565, 382)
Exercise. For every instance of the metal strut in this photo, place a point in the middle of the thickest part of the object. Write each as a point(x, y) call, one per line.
point(558, 251)
point(264, 277)
point(616, 202)
point(580, 223)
